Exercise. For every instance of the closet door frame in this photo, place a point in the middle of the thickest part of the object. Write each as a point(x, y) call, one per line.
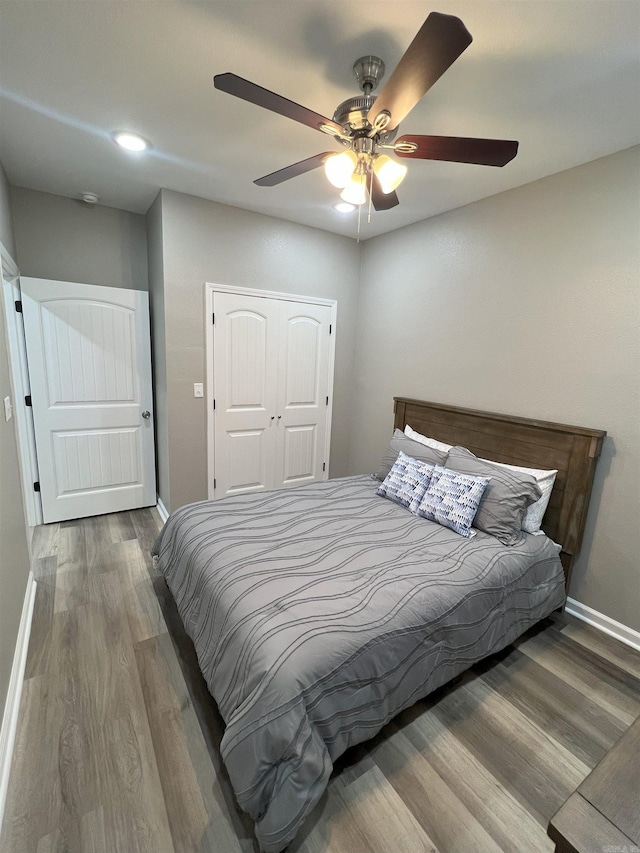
point(210, 289)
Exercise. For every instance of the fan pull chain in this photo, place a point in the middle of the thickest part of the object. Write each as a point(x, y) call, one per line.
point(359, 212)
point(369, 211)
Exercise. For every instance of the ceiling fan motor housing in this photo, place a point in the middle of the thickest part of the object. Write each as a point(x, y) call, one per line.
point(352, 116)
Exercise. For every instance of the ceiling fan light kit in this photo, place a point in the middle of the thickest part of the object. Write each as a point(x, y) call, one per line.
point(389, 172)
point(339, 167)
point(368, 124)
point(355, 191)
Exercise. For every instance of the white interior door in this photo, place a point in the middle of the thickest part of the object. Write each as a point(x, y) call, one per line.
point(303, 380)
point(245, 364)
point(88, 349)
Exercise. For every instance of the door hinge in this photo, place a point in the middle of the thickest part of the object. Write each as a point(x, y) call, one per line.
point(213, 318)
point(214, 403)
point(27, 400)
point(18, 304)
point(329, 328)
point(324, 466)
point(36, 486)
point(327, 403)
point(214, 483)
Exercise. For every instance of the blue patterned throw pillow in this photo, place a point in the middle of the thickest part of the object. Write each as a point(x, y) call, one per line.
point(452, 499)
point(406, 482)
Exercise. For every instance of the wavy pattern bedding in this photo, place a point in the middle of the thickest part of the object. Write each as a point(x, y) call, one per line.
point(319, 613)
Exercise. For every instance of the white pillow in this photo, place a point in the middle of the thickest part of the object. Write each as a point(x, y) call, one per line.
point(429, 442)
point(545, 479)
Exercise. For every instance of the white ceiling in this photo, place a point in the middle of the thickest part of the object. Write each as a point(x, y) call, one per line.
point(561, 76)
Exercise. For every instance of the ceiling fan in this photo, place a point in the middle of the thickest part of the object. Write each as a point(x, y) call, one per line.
point(368, 124)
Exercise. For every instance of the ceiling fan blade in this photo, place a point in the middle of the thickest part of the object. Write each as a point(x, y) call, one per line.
point(293, 170)
point(241, 88)
point(439, 42)
point(458, 149)
point(380, 200)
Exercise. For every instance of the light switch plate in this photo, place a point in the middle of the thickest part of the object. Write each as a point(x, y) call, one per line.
point(8, 408)
point(198, 389)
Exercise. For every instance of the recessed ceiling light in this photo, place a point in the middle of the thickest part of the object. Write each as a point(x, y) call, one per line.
point(343, 207)
point(130, 141)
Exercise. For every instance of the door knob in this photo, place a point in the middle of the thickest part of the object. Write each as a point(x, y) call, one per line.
point(146, 415)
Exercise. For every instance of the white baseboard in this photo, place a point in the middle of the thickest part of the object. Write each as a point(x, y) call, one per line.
point(604, 623)
point(162, 510)
point(12, 704)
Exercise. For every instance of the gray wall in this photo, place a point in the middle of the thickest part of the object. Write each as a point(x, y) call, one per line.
point(205, 241)
point(526, 303)
point(7, 235)
point(68, 240)
point(14, 555)
point(158, 345)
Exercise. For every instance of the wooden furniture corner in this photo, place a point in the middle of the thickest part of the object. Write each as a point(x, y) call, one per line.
point(604, 812)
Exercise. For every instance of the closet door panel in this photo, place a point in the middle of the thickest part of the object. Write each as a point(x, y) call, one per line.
point(299, 454)
point(303, 378)
point(245, 355)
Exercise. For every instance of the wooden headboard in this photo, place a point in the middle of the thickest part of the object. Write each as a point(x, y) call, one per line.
point(574, 451)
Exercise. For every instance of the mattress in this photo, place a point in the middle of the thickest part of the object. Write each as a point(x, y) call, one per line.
point(318, 613)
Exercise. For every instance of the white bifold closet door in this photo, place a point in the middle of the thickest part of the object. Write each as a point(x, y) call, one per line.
point(271, 362)
point(88, 349)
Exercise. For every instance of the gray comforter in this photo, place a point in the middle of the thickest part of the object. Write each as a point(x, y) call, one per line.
point(319, 613)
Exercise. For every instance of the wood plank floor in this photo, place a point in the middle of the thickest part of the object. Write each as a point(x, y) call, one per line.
point(117, 744)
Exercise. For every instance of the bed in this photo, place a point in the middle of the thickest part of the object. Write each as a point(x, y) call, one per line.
point(318, 613)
